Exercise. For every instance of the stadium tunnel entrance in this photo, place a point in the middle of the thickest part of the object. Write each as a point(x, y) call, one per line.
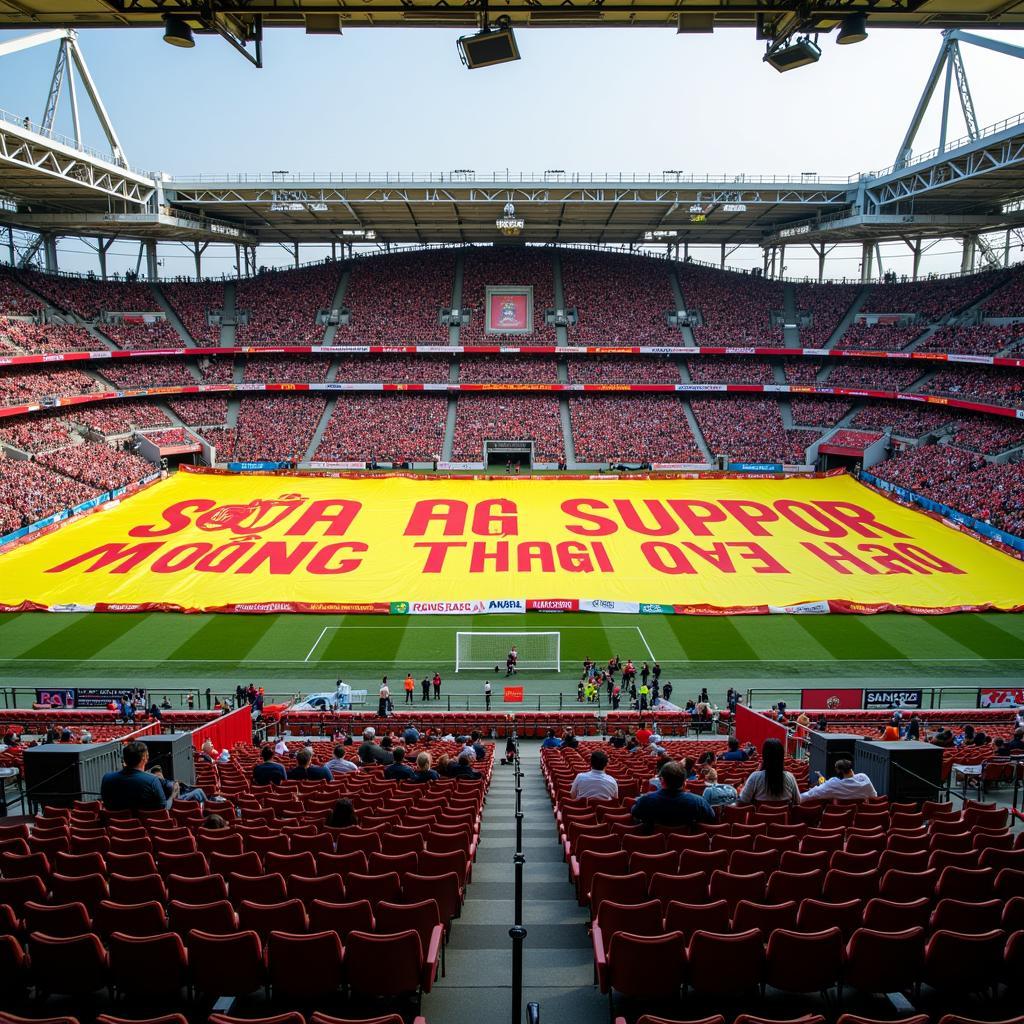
point(508, 454)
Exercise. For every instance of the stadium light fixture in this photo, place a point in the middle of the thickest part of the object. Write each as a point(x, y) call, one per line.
point(492, 45)
point(853, 29)
point(178, 32)
point(793, 55)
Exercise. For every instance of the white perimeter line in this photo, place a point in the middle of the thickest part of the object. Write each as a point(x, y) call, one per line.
point(402, 661)
point(318, 639)
point(646, 644)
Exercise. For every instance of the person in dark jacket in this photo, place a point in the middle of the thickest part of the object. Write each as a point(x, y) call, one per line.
point(670, 805)
point(268, 772)
point(398, 769)
point(305, 770)
point(424, 773)
point(462, 769)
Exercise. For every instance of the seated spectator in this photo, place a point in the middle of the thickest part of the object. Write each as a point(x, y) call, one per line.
point(268, 772)
point(569, 739)
point(214, 822)
point(717, 793)
point(732, 751)
point(133, 788)
point(175, 790)
point(370, 751)
point(671, 806)
point(398, 769)
point(596, 783)
point(343, 816)
point(551, 740)
point(845, 785)
point(772, 784)
point(423, 773)
point(411, 734)
point(305, 770)
point(339, 764)
point(461, 769)
point(618, 741)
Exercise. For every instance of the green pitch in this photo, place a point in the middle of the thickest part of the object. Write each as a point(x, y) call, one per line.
point(298, 653)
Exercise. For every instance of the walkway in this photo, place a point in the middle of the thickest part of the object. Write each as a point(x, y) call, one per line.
point(558, 964)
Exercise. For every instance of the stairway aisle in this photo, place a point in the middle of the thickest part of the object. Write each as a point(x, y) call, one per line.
point(557, 961)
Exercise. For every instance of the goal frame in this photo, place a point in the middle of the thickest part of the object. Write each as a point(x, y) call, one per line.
point(460, 666)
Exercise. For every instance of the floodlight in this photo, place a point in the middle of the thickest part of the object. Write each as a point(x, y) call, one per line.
point(178, 32)
point(323, 24)
point(491, 46)
point(687, 23)
point(795, 55)
point(853, 29)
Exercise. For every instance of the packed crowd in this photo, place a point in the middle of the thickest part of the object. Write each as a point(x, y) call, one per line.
point(508, 370)
point(1008, 300)
point(97, 465)
point(512, 267)
point(276, 428)
point(888, 375)
point(30, 491)
point(282, 305)
point(802, 371)
point(299, 369)
point(1002, 387)
point(932, 299)
point(748, 429)
point(171, 438)
point(985, 339)
point(146, 373)
point(120, 417)
point(507, 417)
point(22, 337)
point(905, 420)
point(198, 410)
point(396, 299)
point(191, 300)
point(827, 304)
point(15, 299)
point(18, 386)
point(619, 299)
point(735, 307)
point(393, 369)
point(730, 370)
point(35, 433)
point(158, 334)
point(622, 370)
point(819, 410)
point(631, 428)
point(217, 369)
point(878, 337)
point(963, 480)
point(87, 297)
point(847, 438)
point(384, 428)
point(987, 434)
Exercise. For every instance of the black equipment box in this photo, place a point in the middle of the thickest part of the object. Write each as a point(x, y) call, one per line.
point(175, 754)
point(901, 770)
point(825, 748)
point(58, 774)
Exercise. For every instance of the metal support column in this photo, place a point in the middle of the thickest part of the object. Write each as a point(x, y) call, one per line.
point(866, 252)
point(782, 260)
point(967, 254)
point(334, 252)
point(197, 255)
point(238, 261)
point(10, 244)
point(722, 262)
point(102, 245)
point(295, 249)
point(917, 258)
point(151, 264)
point(1006, 249)
point(50, 253)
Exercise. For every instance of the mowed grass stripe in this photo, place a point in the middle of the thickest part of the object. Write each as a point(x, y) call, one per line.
point(780, 638)
point(914, 636)
point(155, 637)
point(21, 631)
point(223, 637)
point(847, 637)
point(86, 636)
point(361, 638)
point(978, 634)
point(710, 638)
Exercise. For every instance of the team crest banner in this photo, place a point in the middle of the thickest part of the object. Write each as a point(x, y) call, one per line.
point(408, 545)
point(509, 310)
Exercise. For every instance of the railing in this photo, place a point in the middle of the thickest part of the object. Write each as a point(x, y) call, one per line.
point(64, 140)
point(517, 933)
point(940, 698)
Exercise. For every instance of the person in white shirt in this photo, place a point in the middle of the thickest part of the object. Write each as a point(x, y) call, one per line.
point(280, 747)
point(596, 784)
point(339, 764)
point(845, 785)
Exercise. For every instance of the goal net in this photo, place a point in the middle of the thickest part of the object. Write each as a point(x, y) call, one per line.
point(486, 650)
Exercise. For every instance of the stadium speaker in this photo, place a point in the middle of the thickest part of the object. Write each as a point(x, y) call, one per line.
point(853, 29)
point(825, 748)
point(174, 753)
point(177, 32)
point(492, 46)
point(58, 774)
point(323, 24)
point(796, 55)
point(687, 24)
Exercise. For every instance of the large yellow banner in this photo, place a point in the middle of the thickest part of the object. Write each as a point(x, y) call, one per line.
point(426, 545)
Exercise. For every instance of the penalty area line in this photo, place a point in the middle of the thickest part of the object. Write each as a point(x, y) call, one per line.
point(645, 643)
point(317, 642)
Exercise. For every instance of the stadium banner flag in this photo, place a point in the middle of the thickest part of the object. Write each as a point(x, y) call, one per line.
point(553, 604)
point(56, 699)
point(807, 608)
point(263, 543)
point(656, 609)
point(830, 699)
point(513, 695)
point(1001, 697)
point(876, 700)
point(257, 467)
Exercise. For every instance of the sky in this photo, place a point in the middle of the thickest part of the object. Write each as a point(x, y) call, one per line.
point(587, 99)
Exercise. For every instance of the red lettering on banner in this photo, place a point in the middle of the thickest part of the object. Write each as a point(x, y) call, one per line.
point(664, 524)
point(838, 558)
point(437, 550)
point(858, 519)
point(688, 510)
point(530, 551)
point(929, 560)
point(501, 521)
point(441, 510)
point(223, 558)
point(321, 565)
point(174, 516)
point(666, 558)
point(815, 522)
point(121, 556)
point(513, 695)
point(717, 555)
point(340, 519)
point(891, 561)
point(184, 556)
point(756, 553)
point(280, 561)
point(602, 526)
point(574, 556)
point(479, 556)
point(604, 563)
point(753, 518)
